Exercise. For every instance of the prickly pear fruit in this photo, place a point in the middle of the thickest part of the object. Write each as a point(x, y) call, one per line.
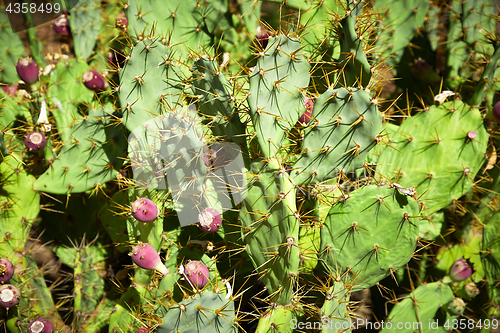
point(35, 141)
point(116, 59)
point(262, 37)
point(456, 307)
point(496, 111)
point(121, 22)
point(61, 25)
point(6, 269)
point(215, 155)
point(461, 270)
point(306, 117)
point(40, 325)
point(470, 290)
point(10, 90)
point(143, 330)
point(196, 273)
point(209, 220)
point(27, 70)
point(9, 296)
point(145, 256)
point(94, 81)
point(144, 210)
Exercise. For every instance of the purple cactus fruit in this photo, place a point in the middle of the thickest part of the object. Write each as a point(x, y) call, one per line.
point(307, 116)
point(121, 22)
point(94, 81)
point(496, 111)
point(145, 256)
point(196, 273)
point(10, 90)
point(143, 330)
point(144, 210)
point(116, 59)
point(6, 270)
point(262, 37)
point(9, 296)
point(215, 156)
point(27, 70)
point(207, 156)
point(40, 325)
point(61, 25)
point(461, 270)
point(35, 141)
point(209, 220)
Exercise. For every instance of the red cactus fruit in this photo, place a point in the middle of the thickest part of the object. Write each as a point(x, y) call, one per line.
point(9, 296)
point(27, 70)
point(40, 325)
point(121, 22)
point(61, 25)
point(145, 256)
point(144, 210)
point(209, 220)
point(215, 155)
point(116, 59)
point(35, 141)
point(6, 270)
point(262, 37)
point(10, 90)
point(461, 270)
point(496, 112)
point(196, 273)
point(307, 116)
point(94, 81)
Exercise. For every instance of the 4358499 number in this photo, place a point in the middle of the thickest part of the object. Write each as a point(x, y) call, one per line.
point(33, 8)
point(471, 324)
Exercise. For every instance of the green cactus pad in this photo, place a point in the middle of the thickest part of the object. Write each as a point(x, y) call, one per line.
point(356, 70)
point(151, 82)
point(275, 100)
point(181, 23)
point(334, 312)
point(68, 96)
point(278, 318)
point(19, 206)
point(491, 258)
point(205, 312)
point(11, 49)
point(13, 113)
point(432, 152)
point(114, 224)
point(216, 101)
point(4, 151)
point(36, 297)
point(85, 21)
point(420, 308)
point(346, 124)
point(271, 229)
point(88, 285)
point(401, 21)
point(87, 160)
point(373, 232)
